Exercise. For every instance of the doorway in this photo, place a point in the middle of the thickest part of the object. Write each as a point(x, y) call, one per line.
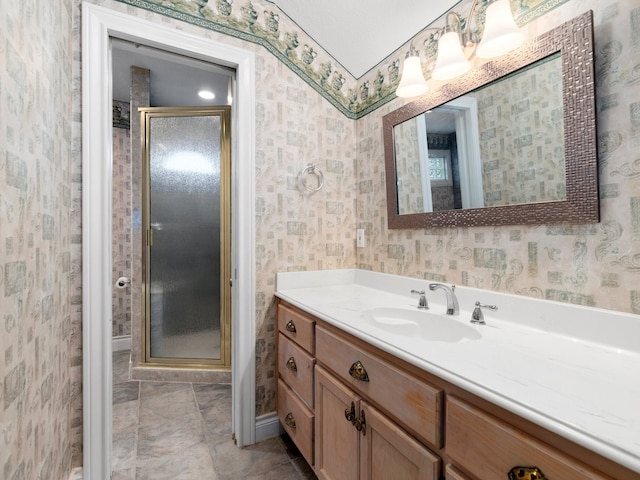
point(187, 240)
point(99, 25)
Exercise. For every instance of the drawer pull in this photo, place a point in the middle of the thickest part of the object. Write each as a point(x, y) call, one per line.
point(290, 420)
point(350, 413)
point(358, 371)
point(526, 473)
point(290, 326)
point(291, 364)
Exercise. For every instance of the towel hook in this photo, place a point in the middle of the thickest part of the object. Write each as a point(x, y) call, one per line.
point(311, 169)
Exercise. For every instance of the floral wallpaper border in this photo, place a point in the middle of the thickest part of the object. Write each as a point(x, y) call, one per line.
point(263, 23)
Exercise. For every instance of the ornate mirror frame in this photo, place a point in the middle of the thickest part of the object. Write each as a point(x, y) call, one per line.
point(574, 40)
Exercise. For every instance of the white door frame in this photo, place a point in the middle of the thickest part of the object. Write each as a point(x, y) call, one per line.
point(423, 155)
point(98, 25)
point(468, 143)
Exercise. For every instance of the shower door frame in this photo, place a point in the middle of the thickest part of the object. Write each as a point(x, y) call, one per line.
point(224, 113)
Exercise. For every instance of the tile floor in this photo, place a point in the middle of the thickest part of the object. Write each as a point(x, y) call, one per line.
point(182, 431)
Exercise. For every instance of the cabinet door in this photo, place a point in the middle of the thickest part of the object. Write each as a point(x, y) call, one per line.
point(388, 453)
point(337, 439)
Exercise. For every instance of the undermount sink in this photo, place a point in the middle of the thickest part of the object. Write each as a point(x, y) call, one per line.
point(421, 324)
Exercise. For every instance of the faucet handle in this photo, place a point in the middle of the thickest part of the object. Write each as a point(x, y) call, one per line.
point(422, 303)
point(477, 316)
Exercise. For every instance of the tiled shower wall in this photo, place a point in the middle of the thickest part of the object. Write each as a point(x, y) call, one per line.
point(121, 226)
point(35, 261)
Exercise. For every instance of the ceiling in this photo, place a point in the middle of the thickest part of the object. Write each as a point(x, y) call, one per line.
point(357, 33)
point(174, 79)
point(361, 33)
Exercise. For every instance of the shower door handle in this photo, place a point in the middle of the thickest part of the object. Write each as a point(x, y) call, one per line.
point(149, 237)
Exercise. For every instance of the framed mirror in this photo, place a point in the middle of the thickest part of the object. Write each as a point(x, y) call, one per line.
point(511, 142)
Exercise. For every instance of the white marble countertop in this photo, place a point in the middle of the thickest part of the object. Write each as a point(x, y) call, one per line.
point(573, 370)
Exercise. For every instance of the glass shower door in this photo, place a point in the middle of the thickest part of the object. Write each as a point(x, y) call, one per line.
point(187, 243)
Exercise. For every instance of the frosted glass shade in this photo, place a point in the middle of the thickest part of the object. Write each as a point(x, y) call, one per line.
point(451, 61)
point(501, 34)
point(412, 82)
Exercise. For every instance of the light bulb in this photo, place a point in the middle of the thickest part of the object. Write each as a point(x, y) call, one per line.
point(206, 94)
point(501, 34)
point(412, 82)
point(451, 61)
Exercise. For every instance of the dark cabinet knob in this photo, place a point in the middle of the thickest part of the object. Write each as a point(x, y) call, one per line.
point(526, 473)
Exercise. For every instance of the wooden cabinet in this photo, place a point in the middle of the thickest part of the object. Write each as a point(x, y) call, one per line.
point(373, 419)
point(413, 403)
point(355, 441)
point(295, 348)
point(359, 413)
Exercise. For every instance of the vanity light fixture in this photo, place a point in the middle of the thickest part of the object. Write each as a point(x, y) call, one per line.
point(412, 82)
point(459, 43)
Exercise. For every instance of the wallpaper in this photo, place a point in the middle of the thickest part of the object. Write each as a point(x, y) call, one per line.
point(592, 264)
point(297, 229)
point(35, 261)
point(262, 23)
point(40, 207)
point(524, 163)
point(408, 171)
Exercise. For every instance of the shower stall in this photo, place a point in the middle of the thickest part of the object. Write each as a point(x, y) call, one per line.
point(186, 237)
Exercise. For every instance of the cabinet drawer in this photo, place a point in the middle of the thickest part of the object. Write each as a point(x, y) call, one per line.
point(416, 405)
point(297, 327)
point(296, 419)
point(296, 368)
point(490, 448)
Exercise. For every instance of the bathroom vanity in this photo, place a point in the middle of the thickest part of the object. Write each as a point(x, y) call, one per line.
point(367, 382)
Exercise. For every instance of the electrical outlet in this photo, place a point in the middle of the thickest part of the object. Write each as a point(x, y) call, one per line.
point(360, 238)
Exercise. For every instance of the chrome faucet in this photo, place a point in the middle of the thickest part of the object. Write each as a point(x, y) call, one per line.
point(477, 316)
point(422, 303)
point(452, 301)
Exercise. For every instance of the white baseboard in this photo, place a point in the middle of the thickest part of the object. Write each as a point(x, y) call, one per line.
point(76, 474)
point(267, 426)
point(121, 343)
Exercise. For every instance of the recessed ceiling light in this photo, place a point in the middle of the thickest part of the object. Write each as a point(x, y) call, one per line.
point(206, 94)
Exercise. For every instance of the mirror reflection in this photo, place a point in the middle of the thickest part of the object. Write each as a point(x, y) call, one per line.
point(501, 144)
